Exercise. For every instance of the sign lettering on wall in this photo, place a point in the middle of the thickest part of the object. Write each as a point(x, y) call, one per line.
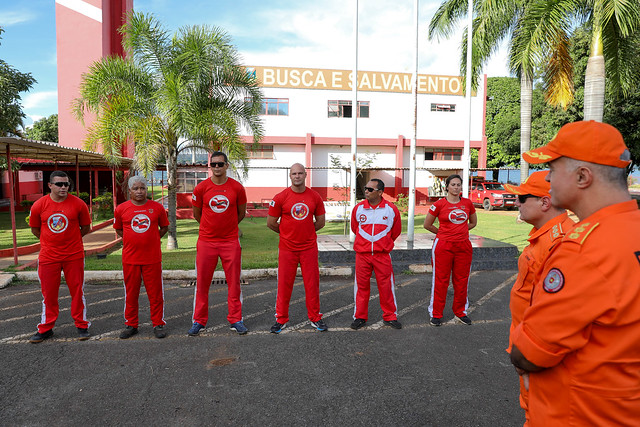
point(368, 81)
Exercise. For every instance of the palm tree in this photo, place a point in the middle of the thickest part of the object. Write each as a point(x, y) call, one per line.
point(167, 95)
point(613, 26)
point(538, 37)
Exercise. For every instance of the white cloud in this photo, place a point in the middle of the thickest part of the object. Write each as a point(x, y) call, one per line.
point(38, 100)
point(8, 18)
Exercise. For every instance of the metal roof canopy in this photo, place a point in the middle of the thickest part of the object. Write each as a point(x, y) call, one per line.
point(51, 152)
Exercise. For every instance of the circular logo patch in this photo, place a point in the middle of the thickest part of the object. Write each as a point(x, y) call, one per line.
point(57, 223)
point(219, 203)
point(458, 216)
point(554, 281)
point(299, 211)
point(362, 218)
point(140, 223)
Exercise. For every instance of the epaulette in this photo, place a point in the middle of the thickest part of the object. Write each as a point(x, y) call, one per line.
point(556, 232)
point(580, 233)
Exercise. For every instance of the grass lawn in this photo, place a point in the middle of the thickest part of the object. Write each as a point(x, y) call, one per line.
point(260, 245)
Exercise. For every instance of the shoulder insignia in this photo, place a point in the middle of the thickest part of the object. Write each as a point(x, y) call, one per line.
point(554, 281)
point(580, 233)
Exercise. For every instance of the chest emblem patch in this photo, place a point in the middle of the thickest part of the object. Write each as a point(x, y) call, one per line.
point(57, 223)
point(219, 203)
point(362, 218)
point(554, 281)
point(299, 211)
point(457, 216)
point(140, 223)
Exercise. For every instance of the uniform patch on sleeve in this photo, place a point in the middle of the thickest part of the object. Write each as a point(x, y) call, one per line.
point(554, 281)
point(272, 203)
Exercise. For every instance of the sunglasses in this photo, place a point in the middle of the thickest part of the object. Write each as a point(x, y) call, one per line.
point(370, 190)
point(523, 197)
point(61, 184)
point(218, 164)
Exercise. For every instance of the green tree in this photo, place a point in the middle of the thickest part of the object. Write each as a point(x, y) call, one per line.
point(170, 93)
point(45, 129)
point(12, 82)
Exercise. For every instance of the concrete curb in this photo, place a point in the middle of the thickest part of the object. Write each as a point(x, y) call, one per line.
point(109, 276)
point(5, 280)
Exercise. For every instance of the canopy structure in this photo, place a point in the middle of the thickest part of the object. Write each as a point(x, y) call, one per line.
point(50, 153)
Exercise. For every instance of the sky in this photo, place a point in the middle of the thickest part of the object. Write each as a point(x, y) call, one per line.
point(286, 33)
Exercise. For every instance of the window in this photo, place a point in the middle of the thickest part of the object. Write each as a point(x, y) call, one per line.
point(442, 153)
point(273, 106)
point(187, 180)
point(345, 109)
point(451, 108)
point(262, 151)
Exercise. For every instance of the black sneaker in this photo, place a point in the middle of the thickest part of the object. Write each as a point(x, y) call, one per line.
point(128, 332)
point(358, 323)
point(436, 321)
point(393, 323)
point(278, 327)
point(195, 329)
point(83, 334)
point(320, 326)
point(464, 320)
point(159, 331)
point(39, 337)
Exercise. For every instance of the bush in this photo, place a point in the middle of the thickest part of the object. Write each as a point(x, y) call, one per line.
point(403, 204)
point(27, 204)
point(103, 204)
point(84, 196)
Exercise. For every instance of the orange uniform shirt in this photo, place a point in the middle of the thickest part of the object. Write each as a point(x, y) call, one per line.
point(584, 325)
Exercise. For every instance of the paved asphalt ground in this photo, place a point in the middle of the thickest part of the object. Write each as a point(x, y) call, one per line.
point(454, 375)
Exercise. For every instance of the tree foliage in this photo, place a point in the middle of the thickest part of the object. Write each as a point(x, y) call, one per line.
point(12, 82)
point(45, 129)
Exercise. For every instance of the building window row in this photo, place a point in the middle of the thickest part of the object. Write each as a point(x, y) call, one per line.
point(442, 154)
point(262, 151)
point(345, 109)
point(188, 180)
point(448, 108)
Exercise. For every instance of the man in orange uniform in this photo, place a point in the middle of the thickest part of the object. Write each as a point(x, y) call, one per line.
point(296, 207)
point(579, 338)
point(60, 220)
point(549, 226)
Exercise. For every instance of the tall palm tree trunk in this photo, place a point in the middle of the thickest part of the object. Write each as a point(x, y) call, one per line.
point(594, 80)
point(172, 171)
point(526, 102)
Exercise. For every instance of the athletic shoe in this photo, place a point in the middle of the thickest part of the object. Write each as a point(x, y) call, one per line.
point(195, 329)
point(464, 319)
point(128, 332)
point(39, 337)
point(358, 323)
point(278, 327)
point(436, 321)
point(83, 334)
point(320, 326)
point(159, 331)
point(239, 327)
point(393, 323)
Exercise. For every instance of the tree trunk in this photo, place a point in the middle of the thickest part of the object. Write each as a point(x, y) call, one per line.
point(526, 100)
point(172, 172)
point(594, 80)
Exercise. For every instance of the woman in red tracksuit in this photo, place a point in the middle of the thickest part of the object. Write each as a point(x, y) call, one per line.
point(451, 253)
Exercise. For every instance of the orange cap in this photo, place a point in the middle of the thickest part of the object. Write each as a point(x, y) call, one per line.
point(590, 141)
point(535, 185)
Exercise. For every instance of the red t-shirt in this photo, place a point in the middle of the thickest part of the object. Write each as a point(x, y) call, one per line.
point(140, 231)
point(219, 204)
point(59, 223)
point(453, 218)
point(296, 212)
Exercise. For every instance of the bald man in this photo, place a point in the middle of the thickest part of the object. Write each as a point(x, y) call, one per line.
point(296, 207)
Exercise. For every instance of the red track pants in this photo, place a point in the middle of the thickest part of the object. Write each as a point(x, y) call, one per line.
point(380, 264)
point(450, 260)
point(206, 261)
point(133, 277)
point(287, 265)
point(49, 277)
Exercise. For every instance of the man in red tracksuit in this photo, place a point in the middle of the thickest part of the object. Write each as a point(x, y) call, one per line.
point(60, 220)
point(296, 208)
point(141, 223)
point(219, 204)
point(376, 224)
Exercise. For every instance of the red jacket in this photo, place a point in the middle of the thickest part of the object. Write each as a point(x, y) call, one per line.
point(376, 227)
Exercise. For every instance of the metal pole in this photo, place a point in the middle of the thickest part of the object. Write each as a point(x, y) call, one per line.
point(77, 177)
point(12, 207)
point(354, 114)
point(412, 151)
point(91, 193)
point(466, 158)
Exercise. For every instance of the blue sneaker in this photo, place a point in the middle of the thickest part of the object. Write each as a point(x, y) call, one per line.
point(239, 327)
point(320, 325)
point(278, 327)
point(195, 329)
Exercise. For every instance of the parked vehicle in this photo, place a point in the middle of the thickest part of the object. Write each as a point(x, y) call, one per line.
point(491, 195)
